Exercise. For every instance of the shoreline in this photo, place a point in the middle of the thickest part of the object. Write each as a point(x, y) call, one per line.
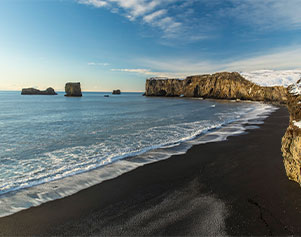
point(244, 176)
point(31, 196)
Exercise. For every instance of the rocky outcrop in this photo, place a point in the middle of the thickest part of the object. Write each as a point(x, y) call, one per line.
point(73, 89)
point(33, 91)
point(116, 92)
point(223, 85)
point(164, 87)
point(291, 141)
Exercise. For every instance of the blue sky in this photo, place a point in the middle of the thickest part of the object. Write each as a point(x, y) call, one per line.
point(108, 44)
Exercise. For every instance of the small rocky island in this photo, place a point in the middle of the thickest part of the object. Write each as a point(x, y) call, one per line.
point(33, 91)
point(73, 89)
point(116, 92)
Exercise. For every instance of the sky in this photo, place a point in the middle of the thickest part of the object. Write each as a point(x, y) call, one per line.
point(109, 44)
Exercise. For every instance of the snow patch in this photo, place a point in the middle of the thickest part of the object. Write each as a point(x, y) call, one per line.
point(295, 89)
point(273, 77)
point(297, 124)
point(163, 78)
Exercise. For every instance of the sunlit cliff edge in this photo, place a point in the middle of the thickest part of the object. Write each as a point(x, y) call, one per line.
point(223, 85)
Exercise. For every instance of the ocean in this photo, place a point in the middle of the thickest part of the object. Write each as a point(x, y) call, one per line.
point(55, 146)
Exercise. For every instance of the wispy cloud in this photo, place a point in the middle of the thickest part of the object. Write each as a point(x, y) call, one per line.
point(95, 3)
point(150, 73)
point(198, 19)
point(286, 58)
point(267, 14)
point(153, 16)
point(137, 70)
point(98, 64)
point(152, 12)
point(132, 8)
point(281, 59)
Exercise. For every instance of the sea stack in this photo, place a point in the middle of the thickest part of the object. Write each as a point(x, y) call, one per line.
point(33, 91)
point(116, 92)
point(291, 141)
point(73, 89)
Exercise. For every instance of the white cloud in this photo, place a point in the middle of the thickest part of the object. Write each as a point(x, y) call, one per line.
point(98, 64)
point(151, 17)
point(199, 19)
point(267, 14)
point(282, 59)
point(95, 3)
point(133, 8)
point(137, 7)
point(150, 73)
point(168, 25)
point(287, 58)
point(138, 70)
point(152, 12)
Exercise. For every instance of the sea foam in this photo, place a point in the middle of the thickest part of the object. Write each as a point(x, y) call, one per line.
point(78, 167)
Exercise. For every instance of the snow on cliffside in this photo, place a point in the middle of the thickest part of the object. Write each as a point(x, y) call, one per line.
point(273, 78)
point(295, 89)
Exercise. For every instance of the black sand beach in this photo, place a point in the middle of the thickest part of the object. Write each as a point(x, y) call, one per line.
point(235, 187)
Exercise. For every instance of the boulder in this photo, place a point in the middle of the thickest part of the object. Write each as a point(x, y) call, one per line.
point(33, 91)
point(73, 89)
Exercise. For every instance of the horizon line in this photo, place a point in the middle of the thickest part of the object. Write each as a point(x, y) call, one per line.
point(82, 91)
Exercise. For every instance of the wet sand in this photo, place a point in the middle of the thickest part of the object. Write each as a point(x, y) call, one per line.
point(235, 187)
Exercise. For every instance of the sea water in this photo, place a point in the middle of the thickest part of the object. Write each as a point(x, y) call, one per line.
point(54, 146)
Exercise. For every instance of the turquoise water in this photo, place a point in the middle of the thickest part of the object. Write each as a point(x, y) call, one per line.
point(48, 138)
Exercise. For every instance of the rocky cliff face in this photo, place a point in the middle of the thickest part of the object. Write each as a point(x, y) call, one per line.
point(291, 142)
point(32, 91)
point(217, 86)
point(73, 89)
point(164, 87)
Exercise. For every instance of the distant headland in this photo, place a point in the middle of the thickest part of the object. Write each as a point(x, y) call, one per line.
point(225, 85)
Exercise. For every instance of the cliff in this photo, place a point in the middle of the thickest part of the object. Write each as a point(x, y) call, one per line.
point(223, 85)
point(73, 89)
point(233, 86)
point(32, 91)
point(291, 141)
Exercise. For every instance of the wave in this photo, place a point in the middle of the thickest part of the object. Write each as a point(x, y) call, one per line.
point(69, 180)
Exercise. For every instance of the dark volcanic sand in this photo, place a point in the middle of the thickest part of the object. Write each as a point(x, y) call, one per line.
point(235, 187)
